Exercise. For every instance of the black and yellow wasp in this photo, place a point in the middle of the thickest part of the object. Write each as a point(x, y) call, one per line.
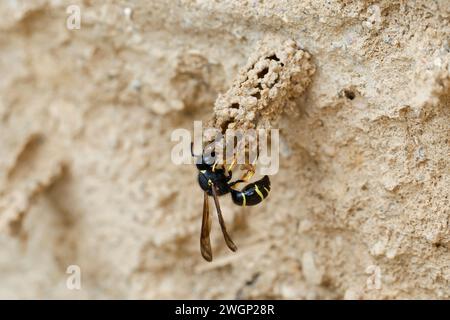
point(215, 181)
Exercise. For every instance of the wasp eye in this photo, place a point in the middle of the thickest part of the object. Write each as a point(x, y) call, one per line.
point(209, 159)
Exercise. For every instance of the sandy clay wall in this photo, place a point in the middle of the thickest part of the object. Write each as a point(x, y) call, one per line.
point(359, 208)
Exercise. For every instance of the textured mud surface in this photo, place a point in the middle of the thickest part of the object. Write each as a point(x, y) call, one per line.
point(265, 87)
point(359, 209)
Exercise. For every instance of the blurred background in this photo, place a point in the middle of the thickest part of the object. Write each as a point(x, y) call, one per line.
point(91, 205)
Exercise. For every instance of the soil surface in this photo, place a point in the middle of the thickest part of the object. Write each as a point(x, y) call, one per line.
point(360, 206)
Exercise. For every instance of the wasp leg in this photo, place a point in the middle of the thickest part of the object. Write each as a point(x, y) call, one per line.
point(215, 165)
point(245, 177)
point(229, 170)
point(232, 165)
point(250, 172)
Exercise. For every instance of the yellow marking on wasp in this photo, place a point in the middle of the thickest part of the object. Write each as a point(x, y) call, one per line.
point(259, 192)
point(209, 182)
point(214, 166)
point(203, 171)
point(266, 189)
point(244, 199)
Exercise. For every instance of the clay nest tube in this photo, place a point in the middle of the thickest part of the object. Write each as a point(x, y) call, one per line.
point(273, 76)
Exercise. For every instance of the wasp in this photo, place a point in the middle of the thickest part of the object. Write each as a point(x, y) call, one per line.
point(215, 181)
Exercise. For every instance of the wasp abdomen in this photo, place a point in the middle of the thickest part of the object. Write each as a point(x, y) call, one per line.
point(253, 193)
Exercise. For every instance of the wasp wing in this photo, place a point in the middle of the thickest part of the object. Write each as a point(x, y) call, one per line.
point(205, 242)
point(228, 240)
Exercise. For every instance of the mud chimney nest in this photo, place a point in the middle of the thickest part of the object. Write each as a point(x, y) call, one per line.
point(274, 76)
